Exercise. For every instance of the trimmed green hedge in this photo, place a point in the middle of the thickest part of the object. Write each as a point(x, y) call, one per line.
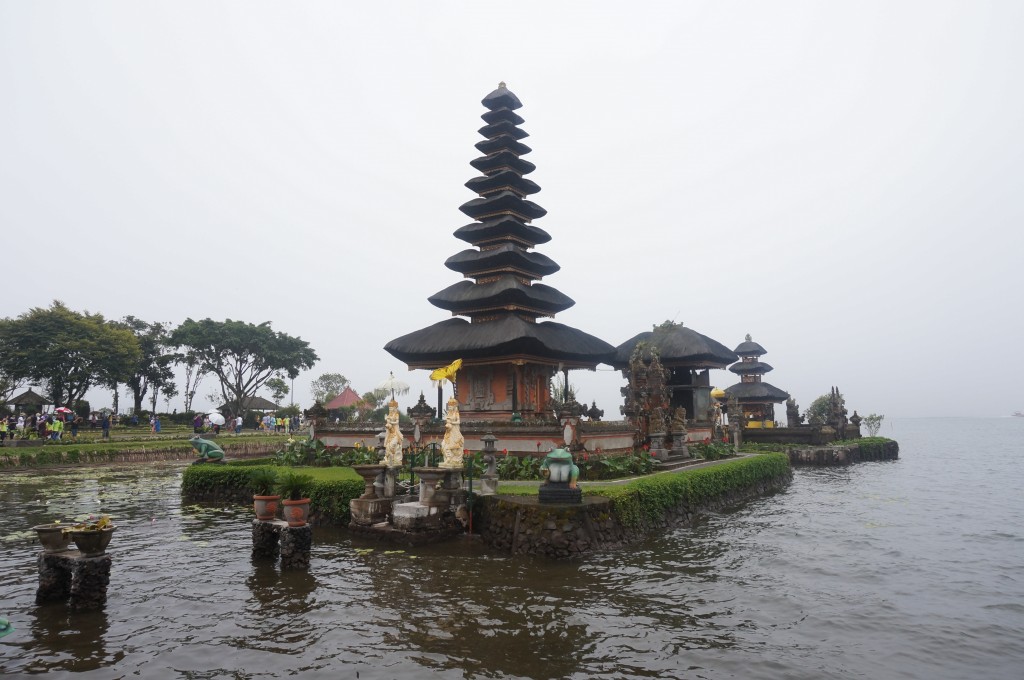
point(250, 462)
point(40, 456)
point(645, 503)
point(329, 499)
point(221, 481)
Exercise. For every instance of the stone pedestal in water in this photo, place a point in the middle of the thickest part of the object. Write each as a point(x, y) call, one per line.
point(274, 538)
point(81, 581)
point(439, 488)
point(372, 507)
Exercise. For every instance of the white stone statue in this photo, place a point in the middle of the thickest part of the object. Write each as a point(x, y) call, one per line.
point(453, 443)
point(393, 440)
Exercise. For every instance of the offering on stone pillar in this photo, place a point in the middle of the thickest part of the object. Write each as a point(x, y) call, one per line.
point(453, 443)
point(393, 440)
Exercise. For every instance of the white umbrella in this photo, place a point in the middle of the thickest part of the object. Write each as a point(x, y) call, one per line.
point(216, 418)
point(394, 385)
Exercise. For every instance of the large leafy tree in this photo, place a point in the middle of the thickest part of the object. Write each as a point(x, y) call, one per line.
point(278, 389)
point(66, 351)
point(243, 356)
point(153, 369)
point(194, 374)
point(328, 386)
point(8, 386)
point(818, 412)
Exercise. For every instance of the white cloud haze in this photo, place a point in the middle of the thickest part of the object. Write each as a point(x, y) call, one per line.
point(840, 180)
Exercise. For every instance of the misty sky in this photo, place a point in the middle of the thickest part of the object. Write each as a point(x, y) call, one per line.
point(840, 180)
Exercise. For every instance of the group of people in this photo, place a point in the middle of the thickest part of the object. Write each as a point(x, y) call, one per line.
point(282, 424)
point(268, 423)
point(48, 425)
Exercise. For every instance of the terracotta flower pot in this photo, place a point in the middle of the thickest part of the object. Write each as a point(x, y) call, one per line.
point(93, 543)
point(296, 513)
point(52, 537)
point(265, 506)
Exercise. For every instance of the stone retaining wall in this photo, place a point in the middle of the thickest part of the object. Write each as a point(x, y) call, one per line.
point(521, 525)
point(844, 454)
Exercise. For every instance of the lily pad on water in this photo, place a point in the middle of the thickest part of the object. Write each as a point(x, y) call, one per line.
point(18, 536)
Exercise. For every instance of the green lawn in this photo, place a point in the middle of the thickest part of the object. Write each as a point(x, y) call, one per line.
point(328, 474)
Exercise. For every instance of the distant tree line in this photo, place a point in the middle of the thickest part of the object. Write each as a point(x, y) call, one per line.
point(67, 353)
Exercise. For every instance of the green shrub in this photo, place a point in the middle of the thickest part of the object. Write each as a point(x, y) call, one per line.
point(329, 500)
point(251, 462)
point(228, 480)
point(262, 480)
point(644, 503)
point(711, 450)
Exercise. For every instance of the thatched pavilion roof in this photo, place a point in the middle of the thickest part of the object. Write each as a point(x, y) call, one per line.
point(253, 404)
point(29, 398)
point(678, 346)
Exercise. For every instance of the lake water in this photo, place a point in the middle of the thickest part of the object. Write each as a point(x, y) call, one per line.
point(904, 569)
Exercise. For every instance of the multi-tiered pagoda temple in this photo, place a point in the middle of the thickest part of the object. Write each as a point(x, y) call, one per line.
point(509, 356)
point(756, 398)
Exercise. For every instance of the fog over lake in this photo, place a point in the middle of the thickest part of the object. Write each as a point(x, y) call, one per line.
point(840, 181)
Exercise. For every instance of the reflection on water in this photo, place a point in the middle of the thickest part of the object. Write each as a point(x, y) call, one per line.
point(878, 570)
point(69, 641)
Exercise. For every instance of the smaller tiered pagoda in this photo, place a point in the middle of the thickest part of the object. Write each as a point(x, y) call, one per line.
point(756, 398)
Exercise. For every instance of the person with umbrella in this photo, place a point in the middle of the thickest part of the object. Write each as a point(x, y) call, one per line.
point(216, 419)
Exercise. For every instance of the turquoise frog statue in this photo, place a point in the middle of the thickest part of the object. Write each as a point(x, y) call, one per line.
point(558, 466)
point(208, 451)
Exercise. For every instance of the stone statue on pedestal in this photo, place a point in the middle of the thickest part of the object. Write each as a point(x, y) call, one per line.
point(393, 440)
point(453, 443)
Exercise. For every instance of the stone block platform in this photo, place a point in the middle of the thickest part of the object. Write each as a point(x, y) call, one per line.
point(274, 538)
point(70, 576)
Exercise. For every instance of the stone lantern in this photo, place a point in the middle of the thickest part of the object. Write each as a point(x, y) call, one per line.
point(489, 482)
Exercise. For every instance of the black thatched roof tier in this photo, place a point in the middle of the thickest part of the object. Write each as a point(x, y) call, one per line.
point(502, 114)
point(506, 180)
point(502, 143)
point(501, 98)
point(503, 127)
point(503, 160)
point(506, 257)
point(750, 367)
point(507, 337)
point(678, 346)
point(504, 228)
point(749, 348)
point(758, 392)
point(502, 203)
point(506, 293)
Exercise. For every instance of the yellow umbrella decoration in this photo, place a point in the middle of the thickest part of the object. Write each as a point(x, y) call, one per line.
point(446, 373)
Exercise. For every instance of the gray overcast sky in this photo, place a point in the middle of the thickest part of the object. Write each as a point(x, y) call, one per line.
point(840, 180)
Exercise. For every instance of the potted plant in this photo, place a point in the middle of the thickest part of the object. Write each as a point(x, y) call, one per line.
point(295, 487)
point(53, 537)
point(93, 535)
point(263, 480)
